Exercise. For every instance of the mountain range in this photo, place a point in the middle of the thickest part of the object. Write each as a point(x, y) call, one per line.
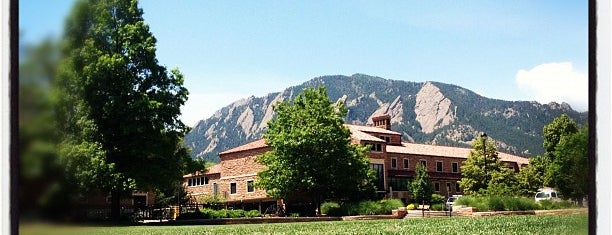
point(424, 112)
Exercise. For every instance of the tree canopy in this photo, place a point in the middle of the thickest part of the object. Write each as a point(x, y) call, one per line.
point(477, 178)
point(312, 155)
point(570, 167)
point(420, 186)
point(118, 108)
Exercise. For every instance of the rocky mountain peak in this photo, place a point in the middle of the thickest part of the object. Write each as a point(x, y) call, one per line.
point(432, 109)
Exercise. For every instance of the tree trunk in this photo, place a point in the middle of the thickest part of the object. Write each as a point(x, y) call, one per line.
point(115, 205)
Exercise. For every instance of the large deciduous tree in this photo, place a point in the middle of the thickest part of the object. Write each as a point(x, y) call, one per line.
point(553, 132)
point(493, 178)
point(312, 155)
point(118, 108)
point(570, 167)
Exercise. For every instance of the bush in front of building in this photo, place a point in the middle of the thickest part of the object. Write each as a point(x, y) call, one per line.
point(207, 213)
point(331, 209)
point(388, 205)
point(498, 203)
point(554, 205)
point(381, 207)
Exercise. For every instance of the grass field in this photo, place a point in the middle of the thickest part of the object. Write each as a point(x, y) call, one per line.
point(529, 224)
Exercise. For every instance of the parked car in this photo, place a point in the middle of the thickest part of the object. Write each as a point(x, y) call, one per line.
point(450, 201)
point(546, 194)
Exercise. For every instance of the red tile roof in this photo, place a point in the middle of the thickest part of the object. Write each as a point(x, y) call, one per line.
point(261, 143)
point(371, 129)
point(446, 151)
point(214, 169)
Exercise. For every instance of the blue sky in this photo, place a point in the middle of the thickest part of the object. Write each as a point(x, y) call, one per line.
point(227, 50)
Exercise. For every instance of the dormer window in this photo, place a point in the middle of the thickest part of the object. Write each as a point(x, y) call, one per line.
point(385, 138)
point(375, 147)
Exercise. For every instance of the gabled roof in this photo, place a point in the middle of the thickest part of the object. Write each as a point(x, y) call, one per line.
point(371, 129)
point(446, 151)
point(261, 143)
point(356, 134)
point(214, 169)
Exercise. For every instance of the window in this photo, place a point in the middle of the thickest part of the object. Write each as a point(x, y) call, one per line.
point(386, 138)
point(190, 182)
point(250, 186)
point(437, 186)
point(439, 166)
point(375, 147)
point(393, 163)
point(198, 181)
point(424, 163)
point(448, 187)
point(205, 180)
point(398, 183)
point(215, 189)
point(233, 188)
point(457, 189)
point(380, 177)
point(406, 163)
point(455, 167)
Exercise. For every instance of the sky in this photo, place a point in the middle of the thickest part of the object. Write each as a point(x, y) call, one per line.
point(228, 50)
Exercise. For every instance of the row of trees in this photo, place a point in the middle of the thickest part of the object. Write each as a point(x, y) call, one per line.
point(106, 114)
point(563, 166)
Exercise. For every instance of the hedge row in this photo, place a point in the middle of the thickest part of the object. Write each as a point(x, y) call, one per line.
point(215, 214)
point(382, 207)
point(507, 203)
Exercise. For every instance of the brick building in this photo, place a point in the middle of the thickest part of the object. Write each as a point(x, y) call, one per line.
point(393, 160)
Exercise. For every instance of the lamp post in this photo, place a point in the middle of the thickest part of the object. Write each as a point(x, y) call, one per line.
point(484, 154)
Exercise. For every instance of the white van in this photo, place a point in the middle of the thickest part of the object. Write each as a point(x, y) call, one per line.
point(546, 194)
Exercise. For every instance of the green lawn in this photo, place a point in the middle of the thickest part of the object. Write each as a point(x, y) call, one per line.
point(526, 224)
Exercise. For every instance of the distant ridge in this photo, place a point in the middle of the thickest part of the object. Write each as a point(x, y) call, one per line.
point(424, 112)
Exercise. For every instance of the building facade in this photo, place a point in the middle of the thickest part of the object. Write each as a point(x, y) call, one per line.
point(394, 162)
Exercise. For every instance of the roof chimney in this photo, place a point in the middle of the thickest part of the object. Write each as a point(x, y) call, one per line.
point(382, 121)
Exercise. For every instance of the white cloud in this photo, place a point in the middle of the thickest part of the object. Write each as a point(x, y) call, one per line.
point(558, 82)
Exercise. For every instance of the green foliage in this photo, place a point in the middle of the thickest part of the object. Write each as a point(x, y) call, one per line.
point(437, 207)
point(555, 131)
point(437, 198)
point(312, 155)
point(387, 205)
point(532, 177)
point(331, 209)
point(570, 166)
point(411, 206)
point(498, 203)
point(555, 205)
point(369, 208)
point(546, 224)
point(252, 213)
point(421, 186)
point(497, 179)
point(117, 107)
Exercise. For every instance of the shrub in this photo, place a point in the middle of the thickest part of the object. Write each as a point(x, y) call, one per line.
point(331, 209)
point(495, 203)
point(411, 206)
point(437, 207)
point(349, 209)
point(465, 200)
point(437, 198)
point(369, 208)
point(252, 213)
point(294, 215)
point(235, 213)
point(387, 205)
point(520, 204)
point(553, 205)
